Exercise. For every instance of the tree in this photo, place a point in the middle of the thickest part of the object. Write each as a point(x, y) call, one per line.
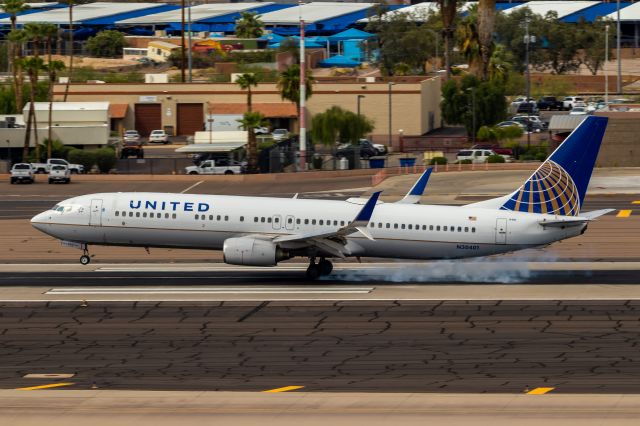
point(448, 12)
point(13, 8)
point(592, 38)
point(32, 65)
point(469, 41)
point(246, 81)
point(249, 25)
point(484, 99)
point(249, 121)
point(500, 64)
point(52, 67)
point(106, 44)
point(337, 124)
point(486, 26)
point(289, 84)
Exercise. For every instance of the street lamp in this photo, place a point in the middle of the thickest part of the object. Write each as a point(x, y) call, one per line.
point(618, 36)
point(211, 120)
point(360, 97)
point(606, 60)
point(189, 53)
point(528, 39)
point(473, 113)
point(391, 84)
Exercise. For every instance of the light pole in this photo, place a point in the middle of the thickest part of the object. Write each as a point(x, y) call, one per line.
point(359, 98)
point(618, 35)
point(303, 95)
point(473, 114)
point(391, 84)
point(606, 60)
point(528, 39)
point(189, 53)
point(211, 120)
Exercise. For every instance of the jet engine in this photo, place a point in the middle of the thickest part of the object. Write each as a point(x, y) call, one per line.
point(252, 252)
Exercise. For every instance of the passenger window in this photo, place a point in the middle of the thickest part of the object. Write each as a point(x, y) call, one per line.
point(226, 218)
point(466, 229)
point(218, 217)
point(255, 219)
point(388, 225)
point(166, 215)
point(379, 224)
point(342, 223)
point(173, 216)
point(117, 213)
point(410, 226)
point(320, 222)
point(313, 221)
point(402, 226)
point(473, 229)
point(276, 220)
point(137, 214)
point(430, 227)
point(453, 229)
point(395, 226)
point(298, 221)
point(438, 228)
point(241, 218)
point(444, 228)
point(289, 221)
point(210, 217)
point(144, 214)
point(268, 220)
point(203, 217)
point(261, 219)
point(306, 221)
point(197, 217)
point(424, 227)
point(372, 225)
point(335, 223)
point(459, 228)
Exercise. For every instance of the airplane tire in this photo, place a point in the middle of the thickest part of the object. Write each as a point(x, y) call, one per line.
point(313, 272)
point(85, 260)
point(325, 267)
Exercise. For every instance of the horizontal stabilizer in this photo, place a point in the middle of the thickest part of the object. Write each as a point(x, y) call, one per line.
point(596, 213)
point(569, 221)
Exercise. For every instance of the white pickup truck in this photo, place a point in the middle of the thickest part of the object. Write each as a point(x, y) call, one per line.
point(46, 167)
point(22, 172)
point(221, 166)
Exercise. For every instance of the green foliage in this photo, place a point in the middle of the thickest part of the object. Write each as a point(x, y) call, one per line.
point(84, 157)
point(83, 74)
point(198, 59)
point(8, 97)
point(106, 44)
point(249, 25)
point(401, 69)
point(515, 84)
point(105, 159)
point(557, 85)
point(461, 100)
point(404, 38)
point(495, 159)
point(534, 153)
point(263, 74)
point(289, 84)
point(466, 162)
point(337, 124)
point(290, 45)
point(438, 160)
point(58, 150)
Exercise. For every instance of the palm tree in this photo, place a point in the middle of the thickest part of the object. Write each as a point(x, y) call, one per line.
point(448, 11)
point(246, 81)
point(249, 25)
point(52, 67)
point(13, 8)
point(469, 43)
point(289, 84)
point(486, 25)
point(249, 121)
point(32, 65)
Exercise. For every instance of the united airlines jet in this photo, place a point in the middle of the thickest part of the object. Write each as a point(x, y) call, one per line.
point(262, 231)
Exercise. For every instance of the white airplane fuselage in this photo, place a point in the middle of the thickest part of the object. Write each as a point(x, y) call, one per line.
point(402, 231)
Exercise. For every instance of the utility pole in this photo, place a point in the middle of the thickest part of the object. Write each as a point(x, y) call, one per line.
point(606, 61)
point(390, 109)
point(183, 59)
point(618, 36)
point(189, 53)
point(303, 95)
point(528, 39)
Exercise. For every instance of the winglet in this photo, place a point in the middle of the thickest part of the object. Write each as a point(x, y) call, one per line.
point(414, 194)
point(367, 210)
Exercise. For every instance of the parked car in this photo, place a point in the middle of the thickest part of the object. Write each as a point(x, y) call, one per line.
point(22, 172)
point(529, 124)
point(533, 118)
point(59, 173)
point(380, 148)
point(549, 103)
point(527, 108)
point(579, 110)
point(46, 167)
point(367, 150)
point(475, 155)
point(221, 166)
point(131, 136)
point(159, 136)
point(494, 147)
point(280, 134)
point(511, 123)
point(261, 130)
point(569, 101)
point(132, 149)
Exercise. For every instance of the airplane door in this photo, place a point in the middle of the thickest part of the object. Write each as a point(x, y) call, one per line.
point(96, 213)
point(501, 231)
point(290, 223)
point(276, 221)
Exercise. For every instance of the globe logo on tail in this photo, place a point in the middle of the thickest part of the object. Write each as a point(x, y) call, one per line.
point(550, 190)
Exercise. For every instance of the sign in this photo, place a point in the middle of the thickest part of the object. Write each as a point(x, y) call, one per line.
point(148, 98)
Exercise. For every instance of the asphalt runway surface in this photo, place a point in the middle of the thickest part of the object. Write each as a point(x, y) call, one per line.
point(332, 346)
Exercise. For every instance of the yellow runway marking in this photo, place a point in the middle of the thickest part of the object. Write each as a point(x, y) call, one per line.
point(540, 391)
point(624, 213)
point(49, 386)
point(284, 389)
point(635, 202)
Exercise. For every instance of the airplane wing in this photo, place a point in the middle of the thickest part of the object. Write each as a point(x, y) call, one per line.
point(569, 221)
point(414, 194)
point(334, 242)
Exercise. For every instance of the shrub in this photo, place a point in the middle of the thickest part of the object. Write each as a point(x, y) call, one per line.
point(80, 156)
point(541, 156)
point(465, 161)
point(105, 159)
point(438, 160)
point(495, 159)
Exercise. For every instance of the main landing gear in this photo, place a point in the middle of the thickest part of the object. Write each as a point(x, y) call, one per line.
point(85, 259)
point(316, 270)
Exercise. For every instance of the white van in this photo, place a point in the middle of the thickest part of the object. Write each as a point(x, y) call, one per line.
point(475, 155)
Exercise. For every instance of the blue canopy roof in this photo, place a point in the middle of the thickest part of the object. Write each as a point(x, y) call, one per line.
point(351, 34)
point(339, 61)
point(590, 14)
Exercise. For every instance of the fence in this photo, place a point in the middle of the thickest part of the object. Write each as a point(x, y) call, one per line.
point(153, 166)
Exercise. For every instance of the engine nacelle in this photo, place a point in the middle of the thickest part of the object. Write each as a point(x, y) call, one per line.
point(251, 252)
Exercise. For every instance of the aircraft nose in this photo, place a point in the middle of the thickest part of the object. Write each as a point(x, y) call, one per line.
point(40, 220)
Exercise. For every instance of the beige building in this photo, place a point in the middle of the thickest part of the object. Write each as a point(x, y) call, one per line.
point(160, 51)
point(182, 108)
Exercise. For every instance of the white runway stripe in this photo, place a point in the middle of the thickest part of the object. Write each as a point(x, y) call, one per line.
point(209, 290)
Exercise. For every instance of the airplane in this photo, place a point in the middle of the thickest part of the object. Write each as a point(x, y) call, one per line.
point(262, 231)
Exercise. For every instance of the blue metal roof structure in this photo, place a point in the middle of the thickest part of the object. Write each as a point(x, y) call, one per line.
point(351, 34)
point(594, 12)
point(339, 61)
point(112, 19)
point(227, 23)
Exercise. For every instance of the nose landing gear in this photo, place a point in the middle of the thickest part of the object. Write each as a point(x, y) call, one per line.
point(315, 271)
